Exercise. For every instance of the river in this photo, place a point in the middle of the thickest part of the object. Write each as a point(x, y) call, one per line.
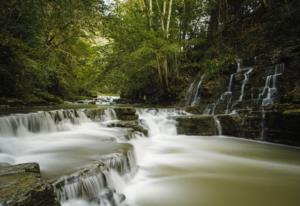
point(172, 170)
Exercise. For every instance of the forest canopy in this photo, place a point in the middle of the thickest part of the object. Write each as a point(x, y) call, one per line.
point(142, 49)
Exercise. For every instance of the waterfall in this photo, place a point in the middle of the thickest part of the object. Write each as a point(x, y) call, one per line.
point(196, 96)
point(262, 124)
point(99, 184)
point(218, 125)
point(226, 96)
point(125, 165)
point(245, 81)
point(239, 64)
point(109, 114)
point(49, 121)
point(160, 121)
point(94, 182)
point(192, 97)
point(40, 122)
point(269, 91)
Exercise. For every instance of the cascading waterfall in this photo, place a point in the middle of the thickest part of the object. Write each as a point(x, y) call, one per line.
point(245, 81)
point(192, 97)
point(109, 114)
point(218, 125)
point(226, 96)
point(239, 64)
point(175, 169)
point(196, 96)
point(266, 97)
point(65, 140)
point(82, 185)
point(124, 164)
point(99, 183)
point(160, 121)
point(40, 122)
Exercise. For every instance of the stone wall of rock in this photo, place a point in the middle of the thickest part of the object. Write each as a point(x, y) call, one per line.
point(196, 125)
point(272, 126)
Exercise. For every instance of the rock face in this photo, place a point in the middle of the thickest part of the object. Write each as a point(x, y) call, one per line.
point(196, 125)
point(22, 185)
point(264, 91)
point(230, 124)
point(272, 126)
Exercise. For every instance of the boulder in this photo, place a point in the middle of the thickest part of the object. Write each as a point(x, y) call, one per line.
point(22, 185)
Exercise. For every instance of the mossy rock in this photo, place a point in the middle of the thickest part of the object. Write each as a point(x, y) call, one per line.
point(22, 185)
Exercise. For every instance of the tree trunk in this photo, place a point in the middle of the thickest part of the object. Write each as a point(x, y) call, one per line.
point(169, 19)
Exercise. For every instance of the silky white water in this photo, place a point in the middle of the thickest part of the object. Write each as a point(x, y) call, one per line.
point(179, 170)
point(173, 170)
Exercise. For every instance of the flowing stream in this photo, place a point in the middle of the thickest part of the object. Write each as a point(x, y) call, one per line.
point(165, 169)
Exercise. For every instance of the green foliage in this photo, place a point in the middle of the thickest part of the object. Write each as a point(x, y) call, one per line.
point(141, 49)
point(48, 46)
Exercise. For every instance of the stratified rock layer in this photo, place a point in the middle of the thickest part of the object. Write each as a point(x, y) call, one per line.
point(196, 125)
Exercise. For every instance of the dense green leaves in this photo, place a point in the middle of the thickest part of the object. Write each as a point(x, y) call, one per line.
point(143, 49)
point(48, 46)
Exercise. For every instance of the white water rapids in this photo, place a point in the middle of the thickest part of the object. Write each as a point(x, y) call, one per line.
point(173, 170)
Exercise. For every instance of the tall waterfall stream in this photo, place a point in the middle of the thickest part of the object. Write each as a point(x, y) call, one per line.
point(164, 169)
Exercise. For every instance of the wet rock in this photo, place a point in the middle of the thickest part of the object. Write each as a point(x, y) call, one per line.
point(132, 125)
point(22, 185)
point(4, 106)
point(126, 113)
point(196, 125)
point(230, 124)
point(276, 125)
point(93, 182)
point(290, 126)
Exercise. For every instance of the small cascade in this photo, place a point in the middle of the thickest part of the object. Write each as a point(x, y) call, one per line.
point(109, 115)
point(125, 165)
point(196, 96)
point(239, 64)
point(218, 125)
point(225, 97)
point(93, 186)
point(82, 185)
point(245, 81)
point(40, 122)
point(228, 94)
point(262, 124)
point(192, 97)
point(99, 183)
point(211, 108)
point(160, 121)
point(266, 97)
